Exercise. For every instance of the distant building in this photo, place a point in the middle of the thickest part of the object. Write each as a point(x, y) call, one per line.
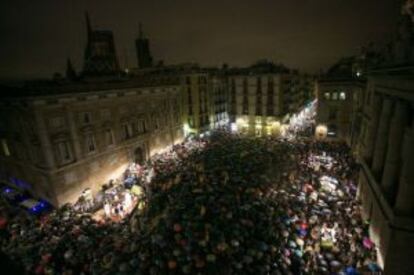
point(263, 97)
point(100, 55)
point(198, 100)
point(204, 97)
point(220, 92)
point(340, 94)
point(143, 51)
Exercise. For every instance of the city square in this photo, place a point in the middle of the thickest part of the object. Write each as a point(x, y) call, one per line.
point(207, 137)
point(220, 204)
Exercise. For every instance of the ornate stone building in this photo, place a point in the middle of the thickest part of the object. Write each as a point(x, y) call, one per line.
point(58, 140)
point(386, 183)
point(197, 101)
point(386, 186)
point(220, 88)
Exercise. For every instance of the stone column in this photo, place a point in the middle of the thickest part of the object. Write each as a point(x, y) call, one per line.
point(45, 140)
point(369, 141)
point(74, 135)
point(382, 138)
point(389, 182)
point(404, 204)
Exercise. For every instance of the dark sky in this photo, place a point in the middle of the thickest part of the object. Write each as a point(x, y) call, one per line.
point(38, 36)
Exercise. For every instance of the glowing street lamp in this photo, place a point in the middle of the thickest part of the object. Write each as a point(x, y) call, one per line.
point(321, 131)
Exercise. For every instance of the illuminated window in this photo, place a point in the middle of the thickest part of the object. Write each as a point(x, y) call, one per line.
point(335, 96)
point(327, 96)
point(5, 147)
point(342, 96)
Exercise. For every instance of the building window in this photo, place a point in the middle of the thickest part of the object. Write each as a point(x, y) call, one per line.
point(86, 118)
point(109, 137)
point(127, 131)
point(327, 96)
point(90, 143)
point(144, 125)
point(335, 96)
point(156, 123)
point(259, 85)
point(64, 151)
point(5, 147)
point(342, 96)
point(259, 110)
point(190, 122)
point(332, 113)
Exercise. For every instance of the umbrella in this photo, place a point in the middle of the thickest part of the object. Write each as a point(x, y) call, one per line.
point(374, 267)
point(367, 242)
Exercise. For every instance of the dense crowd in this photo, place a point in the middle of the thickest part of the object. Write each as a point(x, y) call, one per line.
point(225, 204)
point(301, 124)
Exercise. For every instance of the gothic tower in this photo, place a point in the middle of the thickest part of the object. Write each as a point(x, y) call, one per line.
point(100, 55)
point(143, 52)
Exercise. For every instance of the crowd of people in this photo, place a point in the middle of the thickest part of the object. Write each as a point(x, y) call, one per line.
point(224, 204)
point(302, 124)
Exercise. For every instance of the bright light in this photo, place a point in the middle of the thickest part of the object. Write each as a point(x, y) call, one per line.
point(358, 74)
point(186, 129)
point(276, 124)
point(240, 120)
point(321, 131)
point(233, 127)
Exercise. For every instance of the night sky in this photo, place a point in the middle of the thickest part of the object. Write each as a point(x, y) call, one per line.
point(38, 36)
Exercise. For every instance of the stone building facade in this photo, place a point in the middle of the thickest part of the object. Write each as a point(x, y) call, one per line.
point(386, 183)
point(57, 144)
point(386, 152)
point(259, 103)
point(197, 101)
point(220, 93)
point(339, 107)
